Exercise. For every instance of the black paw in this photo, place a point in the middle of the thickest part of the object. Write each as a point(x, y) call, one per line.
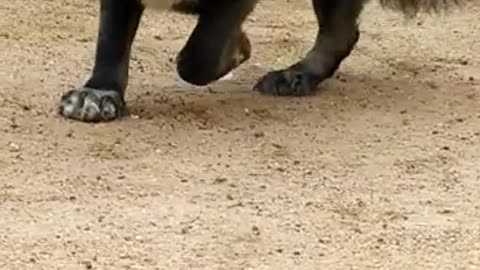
point(92, 105)
point(287, 83)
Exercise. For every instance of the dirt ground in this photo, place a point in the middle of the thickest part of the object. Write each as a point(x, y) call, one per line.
point(378, 170)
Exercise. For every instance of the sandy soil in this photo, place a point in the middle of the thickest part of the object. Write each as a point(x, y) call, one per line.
point(379, 170)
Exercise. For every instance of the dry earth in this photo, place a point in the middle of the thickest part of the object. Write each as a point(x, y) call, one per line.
point(379, 170)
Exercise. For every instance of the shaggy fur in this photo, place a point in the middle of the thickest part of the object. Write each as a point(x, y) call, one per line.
point(413, 7)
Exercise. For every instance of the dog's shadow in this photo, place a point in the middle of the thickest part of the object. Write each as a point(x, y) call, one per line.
point(231, 102)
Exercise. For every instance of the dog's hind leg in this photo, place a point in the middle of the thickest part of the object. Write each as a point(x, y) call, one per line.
point(336, 37)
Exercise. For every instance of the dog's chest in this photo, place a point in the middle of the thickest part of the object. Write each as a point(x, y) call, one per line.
point(160, 4)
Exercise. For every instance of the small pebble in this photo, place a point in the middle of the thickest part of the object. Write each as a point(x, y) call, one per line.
point(220, 180)
point(14, 147)
point(88, 265)
point(259, 134)
point(276, 145)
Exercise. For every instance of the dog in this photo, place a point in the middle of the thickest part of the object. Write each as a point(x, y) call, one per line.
point(216, 46)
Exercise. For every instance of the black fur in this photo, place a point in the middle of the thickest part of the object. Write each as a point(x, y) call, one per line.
point(205, 57)
point(216, 46)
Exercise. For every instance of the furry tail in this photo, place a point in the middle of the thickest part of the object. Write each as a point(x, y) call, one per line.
point(413, 7)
